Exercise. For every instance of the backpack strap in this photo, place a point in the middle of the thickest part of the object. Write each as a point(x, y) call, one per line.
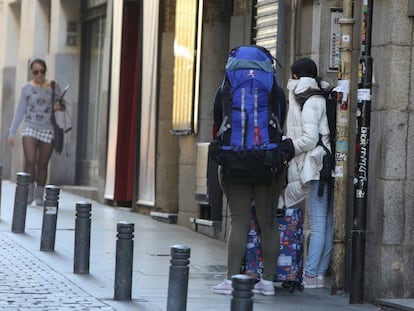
point(276, 111)
point(226, 99)
point(320, 143)
point(329, 158)
point(325, 175)
point(52, 115)
point(301, 98)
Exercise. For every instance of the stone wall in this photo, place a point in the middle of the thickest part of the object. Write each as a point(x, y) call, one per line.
point(166, 182)
point(389, 262)
point(214, 51)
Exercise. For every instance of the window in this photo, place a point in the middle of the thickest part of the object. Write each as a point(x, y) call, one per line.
point(186, 66)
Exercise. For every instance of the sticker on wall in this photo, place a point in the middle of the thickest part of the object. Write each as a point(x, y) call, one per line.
point(344, 104)
point(342, 146)
point(346, 38)
point(341, 156)
point(339, 171)
point(343, 89)
point(343, 86)
point(343, 119)
point(342, 131)
point(359, 194)
point(364, 94)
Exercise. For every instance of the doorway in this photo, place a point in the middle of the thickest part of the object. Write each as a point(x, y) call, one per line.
point(91, 110)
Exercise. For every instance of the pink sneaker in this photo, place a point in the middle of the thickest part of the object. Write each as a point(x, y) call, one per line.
point(320, 281)
point(264, 287)
point(310, 282)
point(225, 288)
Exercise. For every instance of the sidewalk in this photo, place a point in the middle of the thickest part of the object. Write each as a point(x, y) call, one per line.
point(31, 279)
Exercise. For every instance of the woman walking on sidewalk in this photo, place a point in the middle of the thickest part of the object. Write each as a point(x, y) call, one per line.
point(35, 108)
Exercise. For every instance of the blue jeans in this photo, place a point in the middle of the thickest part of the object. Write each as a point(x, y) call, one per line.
point(321, 224)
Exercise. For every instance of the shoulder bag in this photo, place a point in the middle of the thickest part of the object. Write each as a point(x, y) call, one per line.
point(58, 131)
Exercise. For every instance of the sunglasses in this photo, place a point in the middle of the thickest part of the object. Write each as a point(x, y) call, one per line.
point(36, 72)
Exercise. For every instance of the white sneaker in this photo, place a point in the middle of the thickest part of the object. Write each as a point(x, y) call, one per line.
point(264, 287)
point(30, 194)
point(39, 195)
point(225, 288)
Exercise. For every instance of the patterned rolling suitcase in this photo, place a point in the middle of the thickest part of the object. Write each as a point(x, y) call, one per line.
point(290, 262)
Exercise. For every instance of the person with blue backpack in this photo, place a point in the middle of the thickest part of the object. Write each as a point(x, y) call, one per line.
point(249, 112)
point(307, 126)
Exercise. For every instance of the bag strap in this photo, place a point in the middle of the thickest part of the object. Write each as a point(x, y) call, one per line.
point(330, 180)
point(52, 115)
point(320, 143)
point(53, 85)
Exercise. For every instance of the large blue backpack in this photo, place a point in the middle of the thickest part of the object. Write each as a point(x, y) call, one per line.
point(250, 108)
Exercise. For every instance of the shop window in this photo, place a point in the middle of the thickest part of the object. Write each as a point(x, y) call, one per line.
point(186, 66)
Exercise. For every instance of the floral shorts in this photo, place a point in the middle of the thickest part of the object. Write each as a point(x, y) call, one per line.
point(45, 136)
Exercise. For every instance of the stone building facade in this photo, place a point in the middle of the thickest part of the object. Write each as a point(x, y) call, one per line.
point(304, 28)
point(389, 254)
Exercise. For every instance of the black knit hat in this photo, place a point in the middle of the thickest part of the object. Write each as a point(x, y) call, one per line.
point(304, 67)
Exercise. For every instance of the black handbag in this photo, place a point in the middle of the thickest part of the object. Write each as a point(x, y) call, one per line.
point(59, 137)
point(58, 131)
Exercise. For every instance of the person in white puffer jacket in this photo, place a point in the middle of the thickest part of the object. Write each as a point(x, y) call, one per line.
point(306, 123)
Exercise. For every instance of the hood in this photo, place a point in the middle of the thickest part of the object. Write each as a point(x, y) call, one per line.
point(300, 85)
point(305, 87)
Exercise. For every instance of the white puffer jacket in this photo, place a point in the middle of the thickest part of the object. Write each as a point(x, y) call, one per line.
point(303, 126)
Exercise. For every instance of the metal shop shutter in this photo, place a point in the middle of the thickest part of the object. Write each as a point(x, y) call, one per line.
point(265, 24)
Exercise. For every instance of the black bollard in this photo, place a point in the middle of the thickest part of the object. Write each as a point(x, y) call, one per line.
point(50, 212)
point(20, 202)
point(242, 292)
point(178, 278)
point(124, 260)
point(82, 238)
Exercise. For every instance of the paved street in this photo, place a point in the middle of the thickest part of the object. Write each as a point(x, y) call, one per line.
point(31, 279)
point(28, 283)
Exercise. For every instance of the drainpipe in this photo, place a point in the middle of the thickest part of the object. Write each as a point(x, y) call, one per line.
point(342, 148)
point(362, 153)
